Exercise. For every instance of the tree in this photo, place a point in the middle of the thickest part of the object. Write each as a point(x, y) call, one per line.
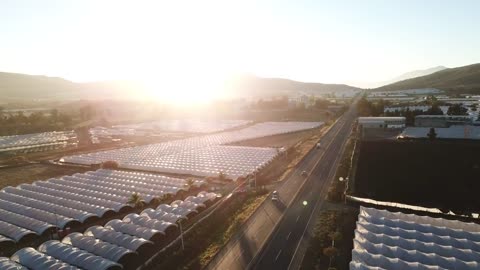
point(222, 176)
point(110, 164)
point(457, 109)
point(432, 135)
point(190, 183)
point(330, 252)
point(434, 110)
point(135, 200)
point(431, 100)
point(335, 236)
point(54, 115)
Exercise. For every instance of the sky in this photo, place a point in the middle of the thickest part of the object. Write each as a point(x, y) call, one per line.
point(197, 42)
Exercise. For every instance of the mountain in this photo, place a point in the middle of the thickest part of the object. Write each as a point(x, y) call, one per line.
point(16, 87)
point(415, 74)
point(405, 76)
point(466, 78)
point(22, 86)
point(252, 86)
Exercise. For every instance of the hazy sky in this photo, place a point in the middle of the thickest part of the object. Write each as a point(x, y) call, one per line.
point(321, 41)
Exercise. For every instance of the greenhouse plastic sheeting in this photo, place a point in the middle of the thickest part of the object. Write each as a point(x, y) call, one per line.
point(104, 249)
point(393, 240)
point(76, 257)
point(47, 206)
point(13, 231)
point(7, 264)
point(117, 238)
point(147, 222)
point(132, 229)
point(37, 226)
point(36, 260)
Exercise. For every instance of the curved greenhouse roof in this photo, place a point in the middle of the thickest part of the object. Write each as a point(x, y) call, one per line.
point(33, 259)
point(392, 240)
point(76, 257)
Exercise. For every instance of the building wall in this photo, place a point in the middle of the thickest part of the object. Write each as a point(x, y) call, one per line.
point(430, 122)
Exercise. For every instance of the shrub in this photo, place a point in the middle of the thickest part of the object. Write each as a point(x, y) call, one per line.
point(110, 164)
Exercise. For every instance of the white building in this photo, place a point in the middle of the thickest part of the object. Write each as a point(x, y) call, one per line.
point(381, 122)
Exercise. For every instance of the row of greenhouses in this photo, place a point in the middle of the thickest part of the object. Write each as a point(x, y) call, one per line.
point(43, 206)
point(203, 155)
point(120, 244)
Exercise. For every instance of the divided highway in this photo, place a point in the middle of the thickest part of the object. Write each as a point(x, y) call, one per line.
point(272, 236)
point(284, 245)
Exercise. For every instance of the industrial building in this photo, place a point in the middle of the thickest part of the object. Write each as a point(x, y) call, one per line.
point(442, 120)
point(381, 122)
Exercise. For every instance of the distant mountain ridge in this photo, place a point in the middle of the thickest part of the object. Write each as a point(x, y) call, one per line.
point(415, 74)
point(404, 76)
point(257, 86)
point(14, 86)
point(465, 78)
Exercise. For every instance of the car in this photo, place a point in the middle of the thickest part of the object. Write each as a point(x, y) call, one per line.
point(275, 195)
point(318, 145)
point(304, 173)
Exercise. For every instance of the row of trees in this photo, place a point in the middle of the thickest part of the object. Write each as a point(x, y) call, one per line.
point(377, 108)
point(41, 121)
point(20, 123)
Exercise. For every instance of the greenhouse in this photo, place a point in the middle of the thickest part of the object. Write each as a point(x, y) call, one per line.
point(37, 142)
point(393, 240)
point(203, 155)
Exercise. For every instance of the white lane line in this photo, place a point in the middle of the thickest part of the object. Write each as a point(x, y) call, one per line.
point(288, 236)
point(278, 255)
point(297, 219)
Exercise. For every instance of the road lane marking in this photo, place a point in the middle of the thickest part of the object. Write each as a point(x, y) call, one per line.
point(297, 219)
point(329, 135)
point(278, 255)
point(322, 190)
point(288, 236)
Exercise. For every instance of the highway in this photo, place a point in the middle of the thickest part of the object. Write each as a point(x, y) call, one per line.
point(281, 248)
point(272, 236)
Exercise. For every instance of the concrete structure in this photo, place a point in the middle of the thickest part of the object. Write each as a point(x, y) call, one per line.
point(442, 120)
point(381, 122)
point(308, 101)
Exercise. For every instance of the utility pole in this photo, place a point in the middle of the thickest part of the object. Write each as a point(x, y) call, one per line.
point(181, 233)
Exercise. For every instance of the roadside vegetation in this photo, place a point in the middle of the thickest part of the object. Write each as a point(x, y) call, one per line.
point(338, 188)
point(207, 237)
point(331, 245)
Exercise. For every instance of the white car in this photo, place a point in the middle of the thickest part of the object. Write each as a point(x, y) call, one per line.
point(275, 195)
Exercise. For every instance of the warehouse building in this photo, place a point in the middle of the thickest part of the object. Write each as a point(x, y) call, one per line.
point(442, 120)
point(381, 122)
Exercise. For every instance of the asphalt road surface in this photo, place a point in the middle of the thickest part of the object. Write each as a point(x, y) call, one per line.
point(282, 247)
point(271, 237)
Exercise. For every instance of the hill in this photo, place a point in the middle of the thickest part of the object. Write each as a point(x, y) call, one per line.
point(255, 86)
point(415, 74)
point(18, 87)
point(464, 79)
point(22, 86)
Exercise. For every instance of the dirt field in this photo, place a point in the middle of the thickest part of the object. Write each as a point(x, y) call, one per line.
point(27, 174)
point(440, 174)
